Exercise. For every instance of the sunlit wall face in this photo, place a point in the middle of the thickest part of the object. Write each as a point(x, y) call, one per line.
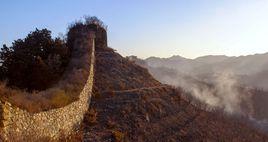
point(189, 28)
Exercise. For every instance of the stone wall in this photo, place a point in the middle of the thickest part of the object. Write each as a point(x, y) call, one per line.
point(20, 125)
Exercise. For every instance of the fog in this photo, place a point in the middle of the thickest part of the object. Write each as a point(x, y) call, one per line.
point(236, 85)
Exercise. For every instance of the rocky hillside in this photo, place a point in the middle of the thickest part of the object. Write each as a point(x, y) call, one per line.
point(130, 105)
point(113, 72)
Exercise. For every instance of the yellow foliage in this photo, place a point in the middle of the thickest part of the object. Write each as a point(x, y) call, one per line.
point(60, 98)
point(118, 136)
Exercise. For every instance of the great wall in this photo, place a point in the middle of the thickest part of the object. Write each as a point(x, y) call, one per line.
point(20, 125)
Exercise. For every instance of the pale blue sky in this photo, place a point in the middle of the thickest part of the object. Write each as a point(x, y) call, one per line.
point(189, 28)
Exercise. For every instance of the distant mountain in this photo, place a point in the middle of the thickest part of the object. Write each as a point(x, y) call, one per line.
point(253, 66)
point(211, 59)
point(257, 80)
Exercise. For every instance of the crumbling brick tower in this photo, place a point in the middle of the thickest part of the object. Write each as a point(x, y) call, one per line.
point(100, 34)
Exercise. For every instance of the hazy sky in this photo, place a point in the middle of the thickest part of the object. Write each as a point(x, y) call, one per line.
point(189, 28)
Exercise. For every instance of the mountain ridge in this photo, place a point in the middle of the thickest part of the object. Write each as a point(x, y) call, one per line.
point(204, 56)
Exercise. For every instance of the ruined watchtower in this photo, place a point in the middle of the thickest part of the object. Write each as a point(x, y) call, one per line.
point(90, 24)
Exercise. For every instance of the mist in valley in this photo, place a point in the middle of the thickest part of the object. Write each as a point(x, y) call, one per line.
point(236, 85)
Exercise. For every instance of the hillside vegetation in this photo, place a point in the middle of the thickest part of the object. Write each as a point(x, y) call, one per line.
point(145, 110)
point(120, 74)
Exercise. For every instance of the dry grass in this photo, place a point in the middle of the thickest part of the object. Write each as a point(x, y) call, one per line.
point(60, 99)
point(74, 137)
point(91, 117)
point(118, 136)
point(113, 72)
point(111, 124)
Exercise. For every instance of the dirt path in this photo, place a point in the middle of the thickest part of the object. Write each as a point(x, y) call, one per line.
point(138, 89)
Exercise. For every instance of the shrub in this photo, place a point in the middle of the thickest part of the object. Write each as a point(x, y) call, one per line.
point(118, 136)
point(91, 117)
point(111, 124)
point(59, 98)
point(73, 137)
point(96, 93)
point(111, 93)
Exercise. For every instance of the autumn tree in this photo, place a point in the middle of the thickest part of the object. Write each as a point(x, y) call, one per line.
point(34, 63)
